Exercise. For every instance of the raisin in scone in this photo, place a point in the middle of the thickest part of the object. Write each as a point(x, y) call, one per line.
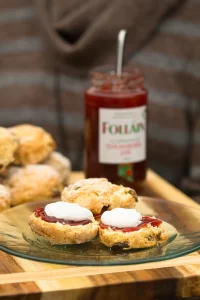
point(35, 144)
point(33, 183)
point(98, 194)
point(128, 229)
point(9, 144)
point(64, 223)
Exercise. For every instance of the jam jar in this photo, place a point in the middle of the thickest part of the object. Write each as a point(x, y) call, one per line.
point(116, 127)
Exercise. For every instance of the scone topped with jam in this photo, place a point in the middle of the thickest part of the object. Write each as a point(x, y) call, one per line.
point(64, 223)
point(128, 229)
point(98, 194)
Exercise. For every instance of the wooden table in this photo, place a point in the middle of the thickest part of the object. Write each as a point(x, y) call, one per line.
point(170, 279)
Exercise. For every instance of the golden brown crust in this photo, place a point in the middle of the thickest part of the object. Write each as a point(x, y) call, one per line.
point(32, 183)
point(57, 233)
point(5, 197)
point(61, 164)
point(35, 144)
point(9, 144)
point(144, 238)
point(97, 193)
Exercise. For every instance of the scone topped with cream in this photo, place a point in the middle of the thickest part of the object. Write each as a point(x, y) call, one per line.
point(64, 223)
point(128, 229)
point(98, 194)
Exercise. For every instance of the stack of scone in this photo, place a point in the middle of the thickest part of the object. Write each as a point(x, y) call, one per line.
point(30, 168)
point(96, 205)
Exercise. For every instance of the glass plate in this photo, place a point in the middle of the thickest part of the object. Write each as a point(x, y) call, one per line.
point(181, 222)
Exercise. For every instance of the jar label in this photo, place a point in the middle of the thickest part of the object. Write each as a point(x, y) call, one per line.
point(122, 135)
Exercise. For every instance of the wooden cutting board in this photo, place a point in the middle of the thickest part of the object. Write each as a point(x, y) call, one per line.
point(36, 280)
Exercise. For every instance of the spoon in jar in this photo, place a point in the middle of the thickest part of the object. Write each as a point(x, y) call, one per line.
point(120, 50)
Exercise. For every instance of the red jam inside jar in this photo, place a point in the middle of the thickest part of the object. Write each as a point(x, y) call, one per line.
point(115, 128)
point(146, 220)
point(39, 212)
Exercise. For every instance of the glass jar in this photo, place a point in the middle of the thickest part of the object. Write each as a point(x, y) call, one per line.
point(116, 127)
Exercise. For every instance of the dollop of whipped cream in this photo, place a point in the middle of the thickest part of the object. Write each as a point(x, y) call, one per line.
point(121, 217)
point(68, 211)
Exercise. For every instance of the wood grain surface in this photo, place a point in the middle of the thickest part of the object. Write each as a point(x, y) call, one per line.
point(169, 279)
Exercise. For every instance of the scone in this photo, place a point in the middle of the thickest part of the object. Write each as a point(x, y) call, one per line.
point(35, 144)
point(61, 164)
point(8, 146)
point(5, 197)
point(64, 223)
point(98, 194)
point(32, 183)
point(128, 229)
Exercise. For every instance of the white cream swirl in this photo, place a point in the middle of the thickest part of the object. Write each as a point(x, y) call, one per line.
point(68, 211)
point(121, 217)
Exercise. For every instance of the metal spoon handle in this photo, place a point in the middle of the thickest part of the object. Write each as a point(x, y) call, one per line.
point(120, 50)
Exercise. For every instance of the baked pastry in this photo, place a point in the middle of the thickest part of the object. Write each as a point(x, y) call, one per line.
point(8, 146)
point(35, 144)
point(128, 229)
point(32, 183)
point(64, 223)
point(98, 194)
point(5, 197)
point(61, 164)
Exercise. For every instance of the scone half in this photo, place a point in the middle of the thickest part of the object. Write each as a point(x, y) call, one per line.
point(144, 238)
point(58, 231)
point(128, 229)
